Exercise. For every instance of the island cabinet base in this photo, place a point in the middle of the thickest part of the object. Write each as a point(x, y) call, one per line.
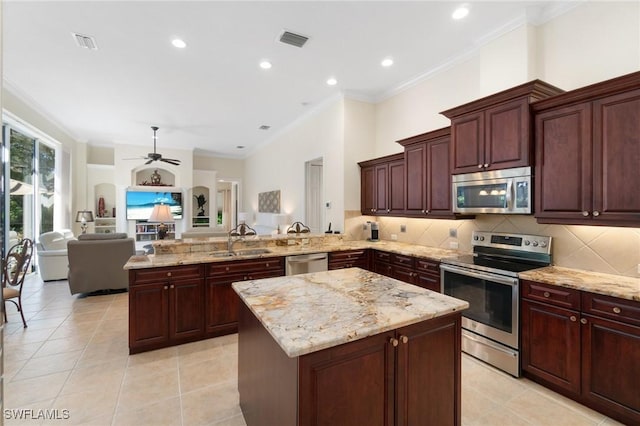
point(408, 376)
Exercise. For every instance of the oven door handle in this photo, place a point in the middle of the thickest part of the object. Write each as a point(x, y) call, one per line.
point(481, 275)
point(486, 342)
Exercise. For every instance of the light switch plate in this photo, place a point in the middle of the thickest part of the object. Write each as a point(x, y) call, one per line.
point(453, 232)
point(403, 228)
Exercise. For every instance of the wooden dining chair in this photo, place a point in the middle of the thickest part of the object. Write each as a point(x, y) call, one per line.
point(15, 267)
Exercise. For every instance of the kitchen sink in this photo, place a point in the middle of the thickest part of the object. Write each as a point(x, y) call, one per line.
point(251, 252)
point(247, 252)
point(222, 254)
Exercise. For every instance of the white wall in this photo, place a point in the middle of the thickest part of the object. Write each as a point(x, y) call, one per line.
point(591, 43)
point(359, 137)
point(279, 164)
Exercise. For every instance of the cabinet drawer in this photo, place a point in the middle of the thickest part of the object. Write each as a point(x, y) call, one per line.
point(402, 260)
point(429, 266)
point(551, 294)
point(245, 266)
point(169, 273)
point(344, 256)
point(246, 276)
point(382, 256)
point(611, 307)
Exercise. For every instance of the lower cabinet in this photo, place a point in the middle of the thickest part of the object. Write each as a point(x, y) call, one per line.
point(585, 346)
point(166, 307)
point(221, 301)
point(349, 259)
point(421, 272)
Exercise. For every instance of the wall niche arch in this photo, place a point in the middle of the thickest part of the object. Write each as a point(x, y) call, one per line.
point(152, 176)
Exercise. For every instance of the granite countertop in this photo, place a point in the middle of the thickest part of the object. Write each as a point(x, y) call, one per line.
point(186, 258)
point(594, 282)
point(309, 312)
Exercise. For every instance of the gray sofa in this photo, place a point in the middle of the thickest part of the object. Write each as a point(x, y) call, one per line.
point(96, 262)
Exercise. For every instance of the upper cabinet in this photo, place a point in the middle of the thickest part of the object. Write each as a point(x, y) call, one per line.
point(495, 132)
point(427, 172)
point(382, 185)
point(588, 155)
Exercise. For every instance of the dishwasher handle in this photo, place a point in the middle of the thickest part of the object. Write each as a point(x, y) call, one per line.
point(306, 258)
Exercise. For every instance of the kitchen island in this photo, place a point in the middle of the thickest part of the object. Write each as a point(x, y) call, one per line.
point(347, 347)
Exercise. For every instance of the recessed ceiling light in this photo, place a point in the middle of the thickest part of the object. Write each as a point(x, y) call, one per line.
point(180, 44)
point(460, 12)
point(386, 62)
point(265, 65)
point(332, 81)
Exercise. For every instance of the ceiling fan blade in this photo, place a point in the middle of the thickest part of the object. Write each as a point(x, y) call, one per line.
point(171, 161)
point(149, 162)
point(136, 158)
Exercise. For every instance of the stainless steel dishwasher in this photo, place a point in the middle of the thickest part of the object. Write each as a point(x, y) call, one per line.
point(304, 263)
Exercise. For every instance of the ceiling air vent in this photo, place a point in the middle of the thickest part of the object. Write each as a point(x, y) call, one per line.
point(296, 40)
point(86, 42)
point(264, 127)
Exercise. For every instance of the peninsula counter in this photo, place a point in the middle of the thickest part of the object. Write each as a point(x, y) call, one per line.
point(347, 347)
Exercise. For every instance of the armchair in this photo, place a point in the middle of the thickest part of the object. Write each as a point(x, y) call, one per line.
point(53, 263)
point(96, 262)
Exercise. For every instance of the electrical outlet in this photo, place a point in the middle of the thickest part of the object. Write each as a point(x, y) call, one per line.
point(364, 226)
point(394, 237)
point(403, 228)
point(453, 244)
point(453, 232)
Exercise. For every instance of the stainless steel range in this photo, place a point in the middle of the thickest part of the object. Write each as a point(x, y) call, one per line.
point(488, 280)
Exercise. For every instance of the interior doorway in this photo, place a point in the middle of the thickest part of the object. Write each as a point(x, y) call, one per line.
point(314, 217)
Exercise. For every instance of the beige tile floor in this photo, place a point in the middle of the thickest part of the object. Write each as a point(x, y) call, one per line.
point(74, 356)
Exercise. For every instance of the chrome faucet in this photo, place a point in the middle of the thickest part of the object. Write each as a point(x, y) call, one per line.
point(231, 243)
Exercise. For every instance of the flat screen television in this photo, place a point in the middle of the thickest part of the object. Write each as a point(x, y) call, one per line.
point(140, 203)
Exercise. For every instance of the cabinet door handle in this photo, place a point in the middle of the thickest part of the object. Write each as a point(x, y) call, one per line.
point(546, 294)
point(616, 310)
point(404, 339)
point(266, 265)
point(166, 287)
point(388, 210)
point(427, 211)
point(596, 213)
point(486, 165)
point(585, 213)
point(583, 320)
point(394, 341)
point(172, 286)
point(573, 318)
point(168, 274)
point(424, 211)
point(479, 166)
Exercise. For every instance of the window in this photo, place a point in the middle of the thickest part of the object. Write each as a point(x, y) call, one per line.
point(30, 177)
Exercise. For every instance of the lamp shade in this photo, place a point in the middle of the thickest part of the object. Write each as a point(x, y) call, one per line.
point(281, 219)
point(161, 213)
point(84, 216)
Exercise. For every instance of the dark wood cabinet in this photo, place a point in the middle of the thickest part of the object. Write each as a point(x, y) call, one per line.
point(428, 176)
point(421, 272)
point(495, 132)
point(382, 186)
point(166, 307)
point(584, 345)
point(349, 259)
point(589, 139)
point(407, 376)
point(221, 301)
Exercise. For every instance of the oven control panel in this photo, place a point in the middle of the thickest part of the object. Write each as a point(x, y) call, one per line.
point(522, 242)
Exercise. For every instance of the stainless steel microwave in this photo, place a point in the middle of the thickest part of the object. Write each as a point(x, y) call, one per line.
point(506, 191)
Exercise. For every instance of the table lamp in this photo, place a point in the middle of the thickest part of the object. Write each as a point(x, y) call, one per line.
point(161, 213)
point(84, 216)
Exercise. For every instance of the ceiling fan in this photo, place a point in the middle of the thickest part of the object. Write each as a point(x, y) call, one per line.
point(154, 156)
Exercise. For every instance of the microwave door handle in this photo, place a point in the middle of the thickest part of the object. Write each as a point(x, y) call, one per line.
point(510, 194)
